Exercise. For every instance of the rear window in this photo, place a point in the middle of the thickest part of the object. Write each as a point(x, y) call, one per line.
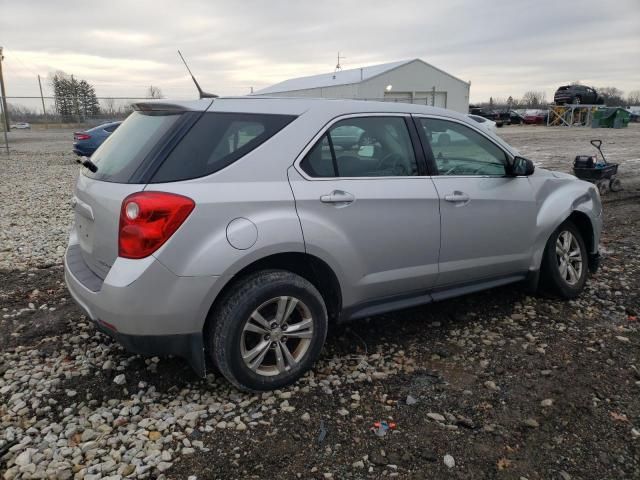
point(217, 140)
point(124, 151)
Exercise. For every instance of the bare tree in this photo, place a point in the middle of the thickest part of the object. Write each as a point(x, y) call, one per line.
point(154, 92)
point(534, 99)
point(109, 106)
point(633, 98)
point(612, 96)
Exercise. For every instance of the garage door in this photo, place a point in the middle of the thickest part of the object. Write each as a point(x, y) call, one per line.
point(404, 97)
point(421, 98)
point(427, 98)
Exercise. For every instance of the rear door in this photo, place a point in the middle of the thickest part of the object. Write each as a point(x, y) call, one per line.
point(488, 218)
point(368, 209)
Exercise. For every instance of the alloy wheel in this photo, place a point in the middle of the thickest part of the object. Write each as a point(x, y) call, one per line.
point(569, 257)
point(276, 336)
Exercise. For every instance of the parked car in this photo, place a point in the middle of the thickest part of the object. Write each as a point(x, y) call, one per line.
point(21, 126)
point(634, 115)
point(233, 228)
point(85, 143)
point(535, 117)
point(485, 122)
point(500, 118)
point(515, 118)
point(577, 94)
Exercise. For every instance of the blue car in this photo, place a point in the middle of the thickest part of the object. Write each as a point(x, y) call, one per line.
point(87, 142)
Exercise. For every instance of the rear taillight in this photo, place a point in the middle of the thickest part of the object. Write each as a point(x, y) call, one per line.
point(148, 219)
point(81, 136)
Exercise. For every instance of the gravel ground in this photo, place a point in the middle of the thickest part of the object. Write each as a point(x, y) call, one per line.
point(493, 385)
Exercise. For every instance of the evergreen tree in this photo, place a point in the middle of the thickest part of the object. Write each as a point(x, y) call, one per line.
point(87, 99)
point(73, 97)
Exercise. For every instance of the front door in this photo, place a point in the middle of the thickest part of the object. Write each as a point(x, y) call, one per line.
point(488, 218)
point(366, 210)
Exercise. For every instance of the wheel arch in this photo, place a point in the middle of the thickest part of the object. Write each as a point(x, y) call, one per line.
point(583, 223)
point(308, 266)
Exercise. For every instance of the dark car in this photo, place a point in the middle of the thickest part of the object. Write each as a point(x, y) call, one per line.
point(500, 118)
point(88, 141)
point(577, 94)
point(515, 118)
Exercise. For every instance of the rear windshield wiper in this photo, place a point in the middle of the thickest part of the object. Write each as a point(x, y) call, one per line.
point(86, 162)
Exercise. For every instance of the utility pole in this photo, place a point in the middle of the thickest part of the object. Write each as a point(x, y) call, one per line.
point(4, 96)
point(338, 66)
point(4, 130)
point(44, 110)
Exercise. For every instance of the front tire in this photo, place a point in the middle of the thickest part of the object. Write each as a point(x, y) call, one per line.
point(565, 262)
point(268, 331)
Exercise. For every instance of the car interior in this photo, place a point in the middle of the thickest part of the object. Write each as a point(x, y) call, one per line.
point(379, 147)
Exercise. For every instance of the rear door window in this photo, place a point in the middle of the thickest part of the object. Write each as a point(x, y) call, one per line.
point(363, 147)
point(217, 140)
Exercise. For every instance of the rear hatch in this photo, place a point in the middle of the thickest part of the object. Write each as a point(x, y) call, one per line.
point(122, 161)
point(563, 92)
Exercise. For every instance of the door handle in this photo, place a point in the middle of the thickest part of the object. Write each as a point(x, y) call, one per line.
point(338, 197)
point(457, 197)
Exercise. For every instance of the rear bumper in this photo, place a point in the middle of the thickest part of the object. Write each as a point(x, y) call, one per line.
point(83, 151)
point(145, 306)
point(187, 346)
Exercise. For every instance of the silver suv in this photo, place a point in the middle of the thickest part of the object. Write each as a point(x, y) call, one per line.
point(239, 229)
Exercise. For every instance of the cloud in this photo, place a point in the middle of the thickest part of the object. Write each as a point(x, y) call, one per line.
point(503, 47)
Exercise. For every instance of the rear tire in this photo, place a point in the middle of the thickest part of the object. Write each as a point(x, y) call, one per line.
point(565, 262)
point(267, 331)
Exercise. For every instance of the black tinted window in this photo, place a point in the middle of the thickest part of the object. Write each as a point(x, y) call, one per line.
point(319, 162)
point(217, 140)
point(363, 147)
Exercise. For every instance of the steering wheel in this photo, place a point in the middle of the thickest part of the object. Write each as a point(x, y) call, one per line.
point(395, 162)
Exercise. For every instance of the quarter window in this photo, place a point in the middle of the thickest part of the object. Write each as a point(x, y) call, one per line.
point(217, 140)
point(459, 150)
point(363, 147)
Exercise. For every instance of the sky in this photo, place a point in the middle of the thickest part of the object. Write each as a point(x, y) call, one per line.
point(503, 47)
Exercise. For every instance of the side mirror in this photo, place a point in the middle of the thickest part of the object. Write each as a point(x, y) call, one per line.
point(521, 166)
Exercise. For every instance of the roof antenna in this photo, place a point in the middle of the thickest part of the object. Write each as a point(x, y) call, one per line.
point(202, 93)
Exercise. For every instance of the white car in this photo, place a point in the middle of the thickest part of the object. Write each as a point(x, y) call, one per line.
point(21, 126)
point(485, 122)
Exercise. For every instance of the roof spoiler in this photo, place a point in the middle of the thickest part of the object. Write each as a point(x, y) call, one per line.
point(202, 93)
point(157, 106)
